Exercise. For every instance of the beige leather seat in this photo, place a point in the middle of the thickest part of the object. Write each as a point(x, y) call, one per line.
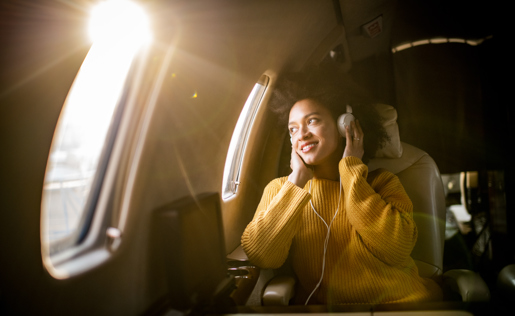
point(420, 177)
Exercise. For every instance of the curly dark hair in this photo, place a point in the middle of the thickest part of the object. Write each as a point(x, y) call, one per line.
point(331, 88)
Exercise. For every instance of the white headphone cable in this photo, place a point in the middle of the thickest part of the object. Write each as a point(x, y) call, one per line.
point(326, 242)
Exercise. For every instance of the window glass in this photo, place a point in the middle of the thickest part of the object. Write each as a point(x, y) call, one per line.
point(88, 123)
point(239, 139)
point(72, 238)
point(79, 139)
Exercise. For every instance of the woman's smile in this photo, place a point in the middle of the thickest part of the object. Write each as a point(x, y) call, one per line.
point(308, 146)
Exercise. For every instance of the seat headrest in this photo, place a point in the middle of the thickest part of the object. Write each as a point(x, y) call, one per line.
point(392, 149)
point(410, 155)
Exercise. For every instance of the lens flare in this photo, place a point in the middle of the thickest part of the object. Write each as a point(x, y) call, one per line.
point(119, 21)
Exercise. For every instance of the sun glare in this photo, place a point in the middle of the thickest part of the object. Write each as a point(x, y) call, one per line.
point(119, 21)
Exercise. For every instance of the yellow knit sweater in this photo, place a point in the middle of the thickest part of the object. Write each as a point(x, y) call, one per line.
point(368, 256)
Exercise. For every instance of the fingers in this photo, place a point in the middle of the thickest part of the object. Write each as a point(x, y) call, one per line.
point(301, 174)
point(354, 132)
point(292, 158)
point(357, 131)
point(348, 132)
point(354, 142)
point(296, 161)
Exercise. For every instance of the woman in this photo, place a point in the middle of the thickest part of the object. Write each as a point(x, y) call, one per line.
point(349, 232)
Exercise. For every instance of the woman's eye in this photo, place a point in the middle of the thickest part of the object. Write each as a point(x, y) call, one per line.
point(312, 120)
point(293, 130)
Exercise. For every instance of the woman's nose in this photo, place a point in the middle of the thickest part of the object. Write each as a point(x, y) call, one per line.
point(304, 132)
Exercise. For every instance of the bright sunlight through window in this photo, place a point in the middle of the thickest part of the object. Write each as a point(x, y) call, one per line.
point(118, 29)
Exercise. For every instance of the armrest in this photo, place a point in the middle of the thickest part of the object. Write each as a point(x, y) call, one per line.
point(245, 275)
point(238, 255)
point(468, 283)
point(279, 291)
point(506, 282)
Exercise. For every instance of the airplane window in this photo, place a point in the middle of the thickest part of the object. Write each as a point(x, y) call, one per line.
point(239, 139)
point(87, 125)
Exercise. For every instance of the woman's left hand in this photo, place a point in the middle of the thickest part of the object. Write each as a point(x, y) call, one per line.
point(354, 142)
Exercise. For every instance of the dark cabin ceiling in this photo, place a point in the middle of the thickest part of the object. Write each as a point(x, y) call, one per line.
point(406, 21)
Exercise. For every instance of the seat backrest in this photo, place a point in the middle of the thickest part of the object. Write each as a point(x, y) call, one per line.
point(420, 177)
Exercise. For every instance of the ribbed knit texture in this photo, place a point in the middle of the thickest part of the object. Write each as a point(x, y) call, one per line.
point(368, 256)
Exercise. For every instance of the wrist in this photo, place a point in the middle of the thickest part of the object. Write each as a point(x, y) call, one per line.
point(298, 179)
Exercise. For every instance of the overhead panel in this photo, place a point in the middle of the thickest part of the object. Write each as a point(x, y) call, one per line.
point(368, 24)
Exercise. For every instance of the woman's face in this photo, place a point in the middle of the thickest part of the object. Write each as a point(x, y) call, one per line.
point(313, 132)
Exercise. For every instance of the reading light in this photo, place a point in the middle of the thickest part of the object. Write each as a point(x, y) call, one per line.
point(440, 40)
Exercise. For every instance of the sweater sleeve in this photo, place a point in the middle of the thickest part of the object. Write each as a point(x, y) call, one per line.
point(380, 211)
point(268, 237)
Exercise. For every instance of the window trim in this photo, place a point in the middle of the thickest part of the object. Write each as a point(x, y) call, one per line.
point(87, 246)
point(238, 145)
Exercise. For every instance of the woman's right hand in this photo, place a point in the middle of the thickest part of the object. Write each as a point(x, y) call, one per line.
point(301, 173)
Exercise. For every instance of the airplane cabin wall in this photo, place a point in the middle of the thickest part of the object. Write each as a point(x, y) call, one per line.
point(222, 50)
point(221, 53)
